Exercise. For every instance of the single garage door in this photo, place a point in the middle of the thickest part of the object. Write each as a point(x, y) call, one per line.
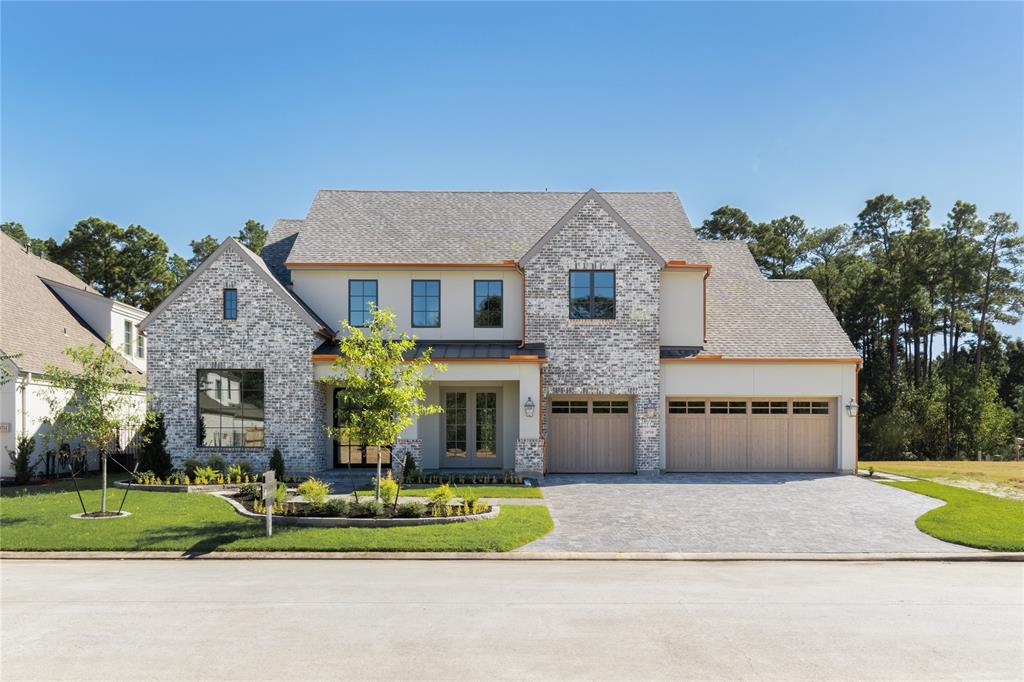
point(590, 434)
point(747, 434)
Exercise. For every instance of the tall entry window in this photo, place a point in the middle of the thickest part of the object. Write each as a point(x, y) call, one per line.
point(362, 295)
point(426, 303)
point(231, 406)
point(470, 428)
point(592, 294)
point(348, 452)
point(487, 302)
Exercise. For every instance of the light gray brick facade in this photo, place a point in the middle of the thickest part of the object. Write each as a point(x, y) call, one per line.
point(607, 357)
point(191, 334)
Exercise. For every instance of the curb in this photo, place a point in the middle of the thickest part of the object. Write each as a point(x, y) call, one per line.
point(527, 556)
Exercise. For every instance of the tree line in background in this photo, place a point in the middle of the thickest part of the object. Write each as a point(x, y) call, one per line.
point(920, 303)
point(129, 264)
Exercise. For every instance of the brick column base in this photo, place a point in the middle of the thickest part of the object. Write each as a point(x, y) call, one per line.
point(401, 448)
point(530, 457)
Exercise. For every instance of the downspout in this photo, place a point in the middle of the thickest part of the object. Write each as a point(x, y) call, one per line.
point(707, 273)
point(856, 425)
point(522, 277)
point(24, 404)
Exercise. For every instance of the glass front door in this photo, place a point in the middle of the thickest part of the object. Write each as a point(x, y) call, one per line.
point(348, 452)
point(470, 429)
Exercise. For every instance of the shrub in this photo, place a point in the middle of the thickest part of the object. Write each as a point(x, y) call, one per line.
point(205, 474)
point(280, 493)
point(143, 476)
point(409, 472)
point(412, 510)
point(191, 464)
point(369, 509)
point(153, 455)
point(338, 506)
point(217, 463)
point(277, 464)
point(388, 489)
point(250, 491)
point(315, 491)
point(442, 495)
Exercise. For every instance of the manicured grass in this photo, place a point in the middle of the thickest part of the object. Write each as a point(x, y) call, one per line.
point(970, 518)
point(196, 522)
point(1008, 474)
point(424, 490)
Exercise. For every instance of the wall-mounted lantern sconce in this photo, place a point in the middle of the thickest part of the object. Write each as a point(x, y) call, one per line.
point(852, 408)
point(528, 407)
point(650, 412)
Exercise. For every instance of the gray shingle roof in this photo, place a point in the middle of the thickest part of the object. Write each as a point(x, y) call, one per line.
point(750, 316)
point(34, 321)
point(278, 247)
point(345, 226)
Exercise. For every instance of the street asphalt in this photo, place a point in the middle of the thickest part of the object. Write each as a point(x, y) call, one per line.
point(469, 620)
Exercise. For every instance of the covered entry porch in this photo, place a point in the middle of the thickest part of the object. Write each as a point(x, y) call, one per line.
point(490, 395)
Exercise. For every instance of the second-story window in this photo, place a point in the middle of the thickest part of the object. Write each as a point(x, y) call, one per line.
point(487, 302)
point(128, 338)
point(231, 304)
point(140, 345)
point(592, 294)
point(426, 303)
point(362, 296)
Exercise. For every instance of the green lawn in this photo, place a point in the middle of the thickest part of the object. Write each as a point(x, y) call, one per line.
point(970, 518)
point(424, 490)
point(37, 520)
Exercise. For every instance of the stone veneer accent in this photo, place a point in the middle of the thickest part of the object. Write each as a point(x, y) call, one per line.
point(403, 447)
point(619, 356)
point(530, 457)
point(191, 334)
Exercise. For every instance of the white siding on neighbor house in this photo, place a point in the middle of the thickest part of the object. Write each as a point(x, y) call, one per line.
point(769, 379)
point(325, 290)
point(682, 307)
point(106, 317)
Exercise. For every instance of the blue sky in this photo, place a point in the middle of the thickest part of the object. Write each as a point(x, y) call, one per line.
point(190, 118)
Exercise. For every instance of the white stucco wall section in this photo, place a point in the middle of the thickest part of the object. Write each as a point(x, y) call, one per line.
point(769, 379)
point(326, 292)
point(682, 307)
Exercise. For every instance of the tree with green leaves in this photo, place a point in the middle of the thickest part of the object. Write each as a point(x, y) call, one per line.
point(727, 222)
point(386, 387)
point(94, 403)
point(780, 246)
point(43, 248)
point(253, 235)
point(201, 250)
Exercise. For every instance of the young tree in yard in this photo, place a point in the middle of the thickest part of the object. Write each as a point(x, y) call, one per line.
point(386, 387)
point(93, 403)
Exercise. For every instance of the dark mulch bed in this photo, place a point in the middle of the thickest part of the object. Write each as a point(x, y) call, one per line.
point(304, 509)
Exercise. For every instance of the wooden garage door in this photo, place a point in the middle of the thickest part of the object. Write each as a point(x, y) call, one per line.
point(747, 434)
point(590, 434)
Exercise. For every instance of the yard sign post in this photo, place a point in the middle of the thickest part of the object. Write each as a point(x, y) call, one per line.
point(269, 489)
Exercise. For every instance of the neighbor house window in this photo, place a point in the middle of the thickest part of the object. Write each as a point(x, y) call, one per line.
point(362, 296)
point(230, 413)
point(231, 304)
point(426, 303)
point(140, 346)
point(128, 337)
point(487, 302)
point(592, 294)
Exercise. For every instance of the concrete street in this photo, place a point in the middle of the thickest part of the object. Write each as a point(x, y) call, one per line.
point(330, 619)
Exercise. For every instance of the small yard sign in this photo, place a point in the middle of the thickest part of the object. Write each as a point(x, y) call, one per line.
point(269, 489)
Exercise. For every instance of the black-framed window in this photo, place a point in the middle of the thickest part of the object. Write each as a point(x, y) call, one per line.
point(362, 295)
point(487, 302)
point(426, 303)
point(230, 408)
point(231, 304)
point(592, 294)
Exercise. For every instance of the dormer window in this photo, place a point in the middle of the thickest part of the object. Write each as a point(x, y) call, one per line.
point(231, 304)
point(140, 346)
point(128, 338)
point(592, 294)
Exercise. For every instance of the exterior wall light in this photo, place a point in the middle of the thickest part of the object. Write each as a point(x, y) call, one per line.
point(528, 407)
point(650, 412)
point(852, 408)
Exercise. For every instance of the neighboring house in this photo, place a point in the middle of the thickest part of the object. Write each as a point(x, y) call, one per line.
point(45, 309)
point(583, 332)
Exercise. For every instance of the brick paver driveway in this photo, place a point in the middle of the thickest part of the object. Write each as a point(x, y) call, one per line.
point(733, 513)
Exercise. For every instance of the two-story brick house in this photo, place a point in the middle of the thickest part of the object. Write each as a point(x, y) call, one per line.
point(583, 332)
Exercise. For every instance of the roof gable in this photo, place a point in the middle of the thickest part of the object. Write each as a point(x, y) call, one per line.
point(592, 195)
point(260, 268)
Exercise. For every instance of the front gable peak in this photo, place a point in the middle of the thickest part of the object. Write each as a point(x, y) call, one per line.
point(592, 195)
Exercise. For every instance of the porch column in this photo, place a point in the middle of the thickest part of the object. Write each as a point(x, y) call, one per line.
point(408, 443)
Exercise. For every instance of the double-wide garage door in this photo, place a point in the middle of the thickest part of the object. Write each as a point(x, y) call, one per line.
point(748, 434)
point(590, 434)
